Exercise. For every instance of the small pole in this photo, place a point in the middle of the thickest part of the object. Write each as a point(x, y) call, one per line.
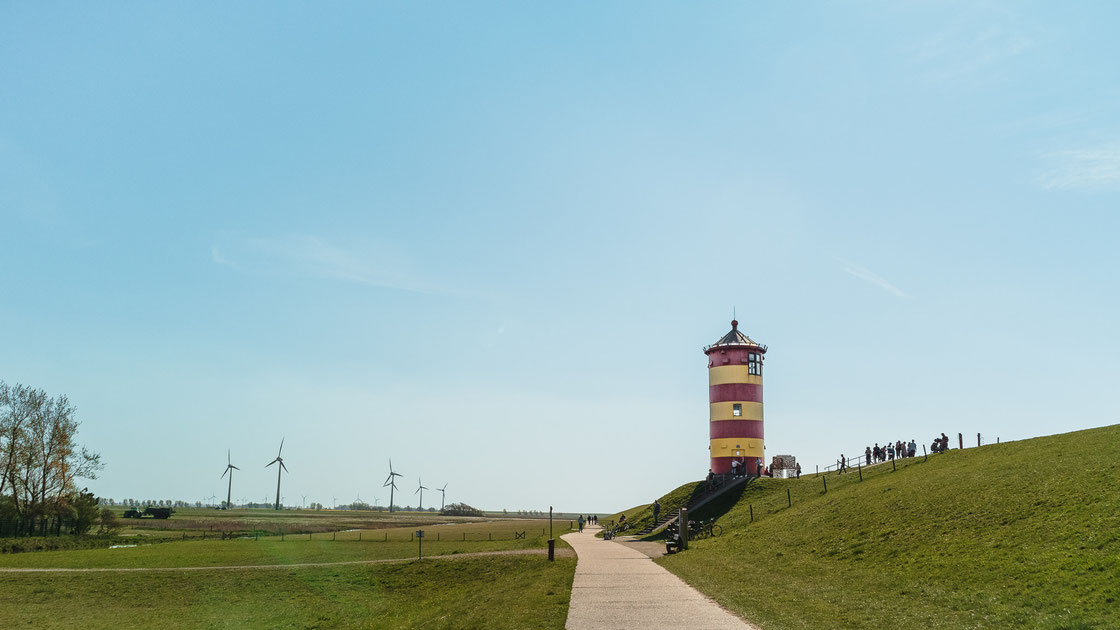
point(825, 480)
point(464, 536)
point(818, 473)
point(752, 512)
point(977, 440)
point(551, 540)
point(420, 544)
point(309, 535)
point(924, 453)
point(334, 535)
point(893, 466)
point(789, 499)
point(437, 536)
point(359, 535)
point(997, 439)
point(490, 535)
point(960, 440)
point(684, 528)
point(859, 469)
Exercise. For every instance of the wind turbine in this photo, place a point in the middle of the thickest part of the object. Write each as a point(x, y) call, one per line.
point(443, 493)
point(229, 469)
point(278, 460)
point(421, 490)
point(391, 483)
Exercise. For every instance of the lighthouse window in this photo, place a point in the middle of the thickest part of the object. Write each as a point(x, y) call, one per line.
point(737, 409)
point(754, 365)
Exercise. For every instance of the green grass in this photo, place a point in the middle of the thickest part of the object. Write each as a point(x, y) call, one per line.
point(1023, 534)
point(494, 593)
point(439, 540)
point(641, 516)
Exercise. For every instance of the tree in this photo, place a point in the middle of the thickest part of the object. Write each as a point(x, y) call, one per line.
point(39, 460)
point(108, 523)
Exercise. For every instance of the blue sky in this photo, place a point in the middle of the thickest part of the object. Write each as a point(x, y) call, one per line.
point(490, 240)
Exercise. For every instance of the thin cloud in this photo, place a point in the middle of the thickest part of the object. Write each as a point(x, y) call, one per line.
point(955, 54)
point(865, 274)
point(308, 256)
point(1092, 169)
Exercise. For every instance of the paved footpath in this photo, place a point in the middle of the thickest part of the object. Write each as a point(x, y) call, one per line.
point(618, 587)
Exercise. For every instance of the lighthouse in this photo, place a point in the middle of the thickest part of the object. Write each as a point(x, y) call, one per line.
point(735, 401)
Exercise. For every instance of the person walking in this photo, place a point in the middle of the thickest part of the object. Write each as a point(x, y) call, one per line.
point(656, 510)
point(798, 470)
point(581, 522)
point(843, 463)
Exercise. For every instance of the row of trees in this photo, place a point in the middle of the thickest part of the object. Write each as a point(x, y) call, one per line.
point(40, 462)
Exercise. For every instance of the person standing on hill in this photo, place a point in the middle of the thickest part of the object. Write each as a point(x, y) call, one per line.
point(867, 456)
point(913, 447)
point(581, 522)
point(798, 470)
point(656, 510)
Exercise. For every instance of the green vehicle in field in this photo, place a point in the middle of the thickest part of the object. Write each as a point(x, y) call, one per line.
point(154, 512)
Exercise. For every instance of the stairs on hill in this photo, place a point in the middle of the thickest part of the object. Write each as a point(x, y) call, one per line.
point(670, 516)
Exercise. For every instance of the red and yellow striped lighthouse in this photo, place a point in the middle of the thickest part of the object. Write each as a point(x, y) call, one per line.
point(735, 401)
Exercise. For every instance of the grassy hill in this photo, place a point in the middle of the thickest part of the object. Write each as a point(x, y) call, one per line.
point(1023, 534)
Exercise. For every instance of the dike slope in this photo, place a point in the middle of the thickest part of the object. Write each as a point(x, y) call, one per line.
point(1022, 534)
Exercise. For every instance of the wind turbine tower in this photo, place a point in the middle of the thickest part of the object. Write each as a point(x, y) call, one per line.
point(229, 469)
point(391, 483)
point(281, 467)
point(443, 496)
point(421, 490)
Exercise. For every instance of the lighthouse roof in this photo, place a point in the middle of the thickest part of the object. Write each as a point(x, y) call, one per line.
point(735, 338)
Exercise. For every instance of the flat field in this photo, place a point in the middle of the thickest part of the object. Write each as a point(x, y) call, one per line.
point(492, 592)
point(248, 582)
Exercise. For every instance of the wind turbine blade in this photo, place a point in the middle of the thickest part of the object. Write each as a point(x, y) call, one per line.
point(228, 460)
point(281, 447)
point(283, 466)
point(417, 490)
point(271, 463)
point(444, 487)
point(224, 473)
point(234, 467)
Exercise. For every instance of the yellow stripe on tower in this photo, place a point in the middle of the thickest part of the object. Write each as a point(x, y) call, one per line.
point(724, 374)
point(728, 447)
point(726, 411)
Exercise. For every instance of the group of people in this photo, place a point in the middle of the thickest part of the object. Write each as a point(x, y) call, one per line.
point(590, 520)
point(940, 445)
point(900, 449)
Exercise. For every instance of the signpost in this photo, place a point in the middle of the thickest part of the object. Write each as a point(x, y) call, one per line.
point(420, 543)
point(551, 540)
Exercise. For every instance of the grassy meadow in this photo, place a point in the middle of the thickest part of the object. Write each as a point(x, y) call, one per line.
point(493, 592)
point(1016, 535)
point(499, 591)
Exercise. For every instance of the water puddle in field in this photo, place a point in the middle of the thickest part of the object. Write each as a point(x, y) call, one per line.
point(121, 546)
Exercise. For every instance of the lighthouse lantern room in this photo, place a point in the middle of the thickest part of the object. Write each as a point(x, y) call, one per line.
point(735, 401)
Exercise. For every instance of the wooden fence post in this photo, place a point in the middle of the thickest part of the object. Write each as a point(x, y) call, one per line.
point(825, 480)
point(859, 469)
point(752, 512)
point(789, 499)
